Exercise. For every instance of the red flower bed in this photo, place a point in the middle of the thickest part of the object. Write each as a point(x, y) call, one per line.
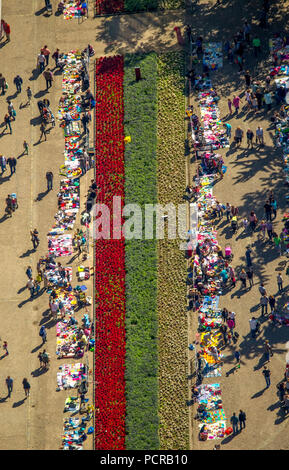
point(110, 259)
point(108, 6)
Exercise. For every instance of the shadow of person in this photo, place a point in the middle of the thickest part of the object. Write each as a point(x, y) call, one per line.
point(27, 253)
point(37, 348)
point(259, 394)
point(38, 372)
point(41, 195)
point(18, 403)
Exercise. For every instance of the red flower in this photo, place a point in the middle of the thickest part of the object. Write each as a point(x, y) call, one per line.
point(110, 261)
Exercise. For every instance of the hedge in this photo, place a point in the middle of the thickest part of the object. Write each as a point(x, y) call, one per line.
point(140, 122)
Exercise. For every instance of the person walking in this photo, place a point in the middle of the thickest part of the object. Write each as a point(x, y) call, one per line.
point(9, 384)
point(31, 286)
point(11, 110)
point(18, 82)
point(49, 179)
point(268, 100)
point(48, 78)
point(279, 282)
point(29, 94)
point(43, 334)
point(43, 131)
point(26, 148)
point(242, 419)
point(243, 278)
point(266, 372)
point(26, 387)
point(5, 347)
point(34, 238)
point(262, 289)
point(264, 305)
point(250, 135)
point(41, 62)
point(46, 52)
point(7, 121)
point(238, 136)
point(12, 162)
point(248, 79)
point(45, 359)
point(234, 421)
point(7, 31)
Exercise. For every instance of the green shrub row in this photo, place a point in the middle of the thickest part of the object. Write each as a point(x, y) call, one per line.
point(171, 287)
point(140, 122)
point(143, 5)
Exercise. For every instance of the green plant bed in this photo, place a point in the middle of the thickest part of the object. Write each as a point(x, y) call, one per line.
point(140, 122)
point(143, 5)
point(172, 319)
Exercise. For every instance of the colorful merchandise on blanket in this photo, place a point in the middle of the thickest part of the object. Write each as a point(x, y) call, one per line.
point(60, 246)
point(214, 132)
point(110, 260)
point(71, 340)
point(71, 9)
point(213, 55)
point(70, 376)
point(210, 408)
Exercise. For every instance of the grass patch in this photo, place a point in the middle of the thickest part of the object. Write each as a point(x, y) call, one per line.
point(147, 5)
point(172, 319)
point(140, 122)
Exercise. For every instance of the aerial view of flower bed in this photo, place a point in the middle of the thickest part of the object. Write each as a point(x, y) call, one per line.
point(103, 7)
point(140, 339)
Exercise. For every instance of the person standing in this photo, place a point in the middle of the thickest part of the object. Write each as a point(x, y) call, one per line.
point(48, 78)
point(248, 79)
point(236, 103)
point(55, 56)
point(228, 128)
point(248, 257)
point(250, 135)
point(242, 419)
point(9, 384)
point(34, 238)
point(28, 272)
point(269, 227)
point(49, 179)
point(18, 83)
point(7, 121)
point(5, 347)
point(12, 162)
point(250, 276)
point(253, 326)
point(272, 302)
point(243, 278)
point(46, 52)
point(256, 46)
point(237, 357)
point(26, 386)
point(268, 210)
point(2, 83)
point(230, 105)
point(234, 421)
point(41, 62)
point(29, 94)
point(259, 136)
point(274, 207)
point(7, 31)
point(266, 372)
point(264, 305)
point(11, 110)
point(43, 131)
point(3, 163)
point(279, 282)
point(268, 100)
point(268, 350)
